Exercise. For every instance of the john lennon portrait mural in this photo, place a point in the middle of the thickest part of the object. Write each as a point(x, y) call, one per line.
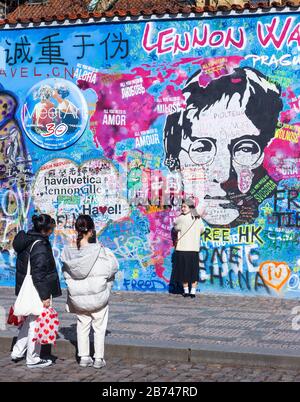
point(123, 121)
point(223, 133)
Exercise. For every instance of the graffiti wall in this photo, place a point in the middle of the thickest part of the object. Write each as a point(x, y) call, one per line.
point(123, 120)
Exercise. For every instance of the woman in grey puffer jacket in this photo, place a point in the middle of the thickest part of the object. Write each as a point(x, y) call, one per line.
point(89, 271)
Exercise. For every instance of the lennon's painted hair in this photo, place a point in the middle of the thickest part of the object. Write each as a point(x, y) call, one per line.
point(260, 98)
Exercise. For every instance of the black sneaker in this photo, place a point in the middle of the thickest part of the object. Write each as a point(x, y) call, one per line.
point(192, 296)
point(17, 359)
point(42, 363)
point(185, 294)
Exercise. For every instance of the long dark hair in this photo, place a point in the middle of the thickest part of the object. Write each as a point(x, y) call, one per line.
point(43, 223)
point(83, 224)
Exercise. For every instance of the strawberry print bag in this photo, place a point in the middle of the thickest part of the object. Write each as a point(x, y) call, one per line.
point(46, 329)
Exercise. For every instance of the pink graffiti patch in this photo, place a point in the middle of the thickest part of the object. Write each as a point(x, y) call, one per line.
point(110, 98)
point(293, 101)
point(214, 68)
point(109, 128)
point(287, 116)
point(282, 159)
point(245, 177)
point(160, 228)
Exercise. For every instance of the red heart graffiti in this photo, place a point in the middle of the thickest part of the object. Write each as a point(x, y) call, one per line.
point(47, 321)
point(51, 327)
point(40, 336)
point(102, 210)
point(42, 325)
point(56, 322)
point(37, 330)
point(44, 314)
point(46, 331)
point(51, 337)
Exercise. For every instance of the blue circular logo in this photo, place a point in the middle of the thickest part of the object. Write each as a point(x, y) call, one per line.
point(55, 114)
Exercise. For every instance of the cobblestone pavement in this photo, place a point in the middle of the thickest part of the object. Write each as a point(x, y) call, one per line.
point(142, 371)
point(257, 324)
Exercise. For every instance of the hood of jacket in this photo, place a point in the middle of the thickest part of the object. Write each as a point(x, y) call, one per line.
point(24, 240)
point(78, 263)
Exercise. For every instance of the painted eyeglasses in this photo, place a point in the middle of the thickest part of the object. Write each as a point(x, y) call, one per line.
point(245, 152)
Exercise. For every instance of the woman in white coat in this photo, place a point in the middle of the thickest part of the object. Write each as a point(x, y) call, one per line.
point(189, 227)
point(89, 271)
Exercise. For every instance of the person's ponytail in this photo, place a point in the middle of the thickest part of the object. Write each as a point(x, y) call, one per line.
point(83, 224)
point(78, 240)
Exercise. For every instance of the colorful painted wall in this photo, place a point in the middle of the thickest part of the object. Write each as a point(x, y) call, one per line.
point(123, 120)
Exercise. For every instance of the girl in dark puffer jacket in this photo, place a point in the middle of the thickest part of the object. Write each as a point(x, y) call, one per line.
point(45, 279)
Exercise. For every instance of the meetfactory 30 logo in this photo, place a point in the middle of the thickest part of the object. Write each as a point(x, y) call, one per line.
point(55, 114)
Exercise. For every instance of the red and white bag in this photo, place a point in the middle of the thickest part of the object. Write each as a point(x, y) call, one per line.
point(46, 329)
